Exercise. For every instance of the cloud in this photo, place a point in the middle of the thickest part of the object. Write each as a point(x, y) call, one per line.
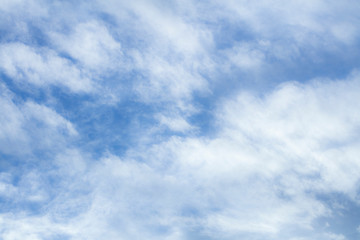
point(33, 228)
point(170, 55)
point(30, 8)
point(303, 22)
point(270, 159)
point(259, 176)
point(91, 44)
point(159, 22)
point(27, 126)
point(336, 236)
point(175, 123)
point(42, 67)
point(275, 151)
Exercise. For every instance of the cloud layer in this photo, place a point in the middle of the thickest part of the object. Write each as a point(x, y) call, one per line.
point(182, 120)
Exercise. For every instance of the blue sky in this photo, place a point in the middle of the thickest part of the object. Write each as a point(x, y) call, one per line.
point(180, 120)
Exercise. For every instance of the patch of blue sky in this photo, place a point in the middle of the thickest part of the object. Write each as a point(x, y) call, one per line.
point(24, 91)
point(59, 237)
point(344, 216)
point(227, 34)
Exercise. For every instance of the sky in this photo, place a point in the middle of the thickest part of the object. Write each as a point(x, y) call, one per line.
point(179, 120)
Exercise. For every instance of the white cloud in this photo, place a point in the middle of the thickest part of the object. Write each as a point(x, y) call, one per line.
point(177, 123)
point(11, 122)
point(270, 152)
point(257, 175)
point(24, 8)
point(334, 236)
point(167, 82)
point(7, 189)
point(32, 188)
point(42, 67)
point(245, 56)
point(47, 116)
point(307, 23)
point(253, 178)
point(172, 51)
point(163, 26)
point(91, 44)
point(32, 228)
point(27, 126)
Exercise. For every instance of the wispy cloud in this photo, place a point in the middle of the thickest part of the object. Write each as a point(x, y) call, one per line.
point(41, 67)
